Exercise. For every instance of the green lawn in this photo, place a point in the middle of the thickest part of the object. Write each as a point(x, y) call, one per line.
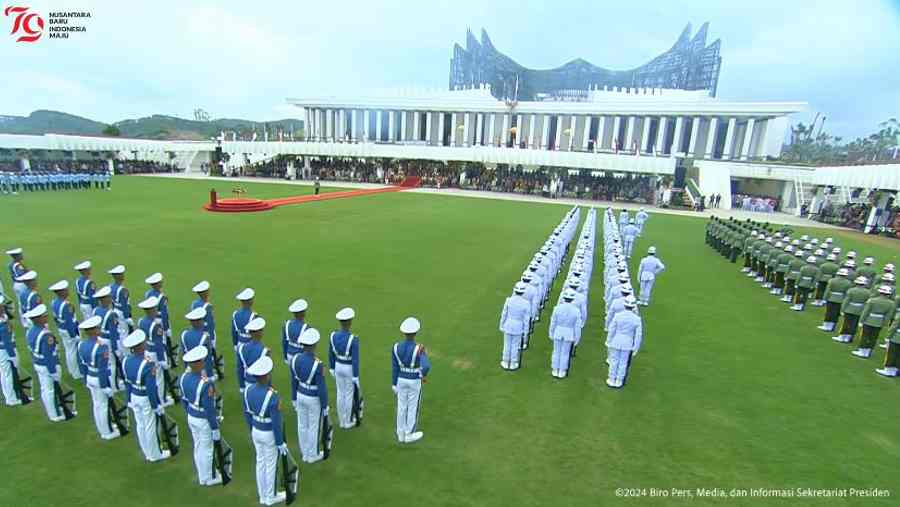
point(731, 390)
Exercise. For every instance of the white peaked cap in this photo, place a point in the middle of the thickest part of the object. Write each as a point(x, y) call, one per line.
point(519, 288)
point(868, 260)
point(652, 250)
point(201, 287)
point(811, 258)
point(60, 285)
point(309, 337)
point(843, 271)
point(861, 280)
point(299, 305)
point(117, 270)
point(257, 324)
point(150, 302)
point(134, 339)
point(82, 265)
point(568, 294)
point(262, 366)
point(885, 289)
point(197, 353)
point(154, 278)
point(630, 302)
point(37, 311)
point(27, 276)
point(14, 251)
point(103, 292)
point(91, 322)
point(345, 314)
point(246, 294)
point(410, 325)
point(198, 313)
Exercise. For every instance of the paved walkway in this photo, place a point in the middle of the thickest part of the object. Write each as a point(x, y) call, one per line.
point(782, 218)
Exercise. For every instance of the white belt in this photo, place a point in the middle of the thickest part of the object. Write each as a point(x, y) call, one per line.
point(411, 370)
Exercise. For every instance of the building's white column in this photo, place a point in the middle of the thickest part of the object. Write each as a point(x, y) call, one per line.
point(531, 121)
point(711, 137)
point(676, 139)
point(586, 135)
point(466, 129)
point(660, 136)
point(403, 125)
point(559, 129)
point(390, 136)
point(504, 134)
point(519, 131)
point(695, 129)
point(428, 115)
point(617, 123)
point(440, 128)
point(545, 132)
point(365, 122)
point(354, 127)
point(645, 135)
point(601, 134)
point(479, 128)
point(452, 129)
point(313, 124)
point(343, 122)
point(748, 138)
point(572, 134)
point(306, 124)
point(329, 125)
point(729, 138)
point(629, 133)
point(416, 121)
point(491, 130)
point(378, 125)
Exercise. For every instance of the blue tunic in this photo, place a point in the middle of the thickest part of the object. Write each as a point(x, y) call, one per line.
point(109, 327)
point(409, 361)
point(156, 341)
point(210, 320)
point(140, 379)
point(308, 378)
point(64, 315)
point(338, 353)
point(121, 300)
point(198, 396)
point(93, 361)
point(43, 348)
point(290, 336)
point(163, 306)
point(247, 354)
point(262, 410)
point(239, 320)
point(84, 289)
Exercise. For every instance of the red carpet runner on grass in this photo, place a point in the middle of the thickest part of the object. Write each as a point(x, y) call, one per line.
point(244, 205)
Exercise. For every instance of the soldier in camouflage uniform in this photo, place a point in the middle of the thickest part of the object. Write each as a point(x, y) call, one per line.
point(878, 312)
point(835, 294)
point(827, 270)
point(806, 283)
point(851, 309)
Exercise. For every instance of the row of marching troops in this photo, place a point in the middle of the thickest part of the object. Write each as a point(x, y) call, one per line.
point(623, 324)
point(40, 181)
point(860, 300)
point(111, 351)
point(522, 310)
point(630, 228)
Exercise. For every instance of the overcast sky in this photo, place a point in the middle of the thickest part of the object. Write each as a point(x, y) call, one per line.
point(242, 59)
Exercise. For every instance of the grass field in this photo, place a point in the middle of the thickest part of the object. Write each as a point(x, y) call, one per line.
point(731, 390)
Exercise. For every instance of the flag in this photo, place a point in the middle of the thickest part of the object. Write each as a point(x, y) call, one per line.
point(254, 136)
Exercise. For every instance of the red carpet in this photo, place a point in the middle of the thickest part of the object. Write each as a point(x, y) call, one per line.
point(245, 205)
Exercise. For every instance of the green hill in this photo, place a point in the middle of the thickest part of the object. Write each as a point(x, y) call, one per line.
point(151, 127)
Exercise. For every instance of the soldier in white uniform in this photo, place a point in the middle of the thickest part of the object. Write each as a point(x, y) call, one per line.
point(624, 342)
point(564, 325)
point(640, 218)
point(629, 233)
point(533, 298)
point(409, 369)
point(648, 270)
point(515, 319)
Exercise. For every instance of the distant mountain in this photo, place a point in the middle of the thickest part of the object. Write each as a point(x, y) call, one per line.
point(151, 127)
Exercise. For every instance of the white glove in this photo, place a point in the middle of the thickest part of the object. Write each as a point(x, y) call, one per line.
point(634, 353)
point(332, 373)
point(394, 388)
point(164, 365)
point(160, 411)
point(15, 361)
point(283, 449)
point(325, 411)
point(216, 435)
point(356, 381)
point(56, 376)
point(108, 392)
point(169, 333)
point(129, 321)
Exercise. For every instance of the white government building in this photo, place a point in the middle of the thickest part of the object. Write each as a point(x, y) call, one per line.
point(646, 130)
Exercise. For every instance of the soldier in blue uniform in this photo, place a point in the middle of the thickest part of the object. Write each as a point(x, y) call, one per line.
point(343, 360)
point(66, 326)
point(202, 301)
point(290, 334)
point(262, 411)
point(141, 396)
point(8, 356)
point(409, 369)
point(84, 289)
point(241, 317)
point(310, 395)
point(250, 352)
point(16, 269)
point(93, 359)
point(110, 335)
point(29, 298)
point(197, 336)
point(121, 300)
point(151, 325)
point(198, 398)
point(42, 345)
point(155, 281)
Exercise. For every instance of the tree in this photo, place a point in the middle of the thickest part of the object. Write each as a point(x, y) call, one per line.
point(112, 131)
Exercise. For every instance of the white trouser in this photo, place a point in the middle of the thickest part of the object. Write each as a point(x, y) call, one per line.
point(122, 325)
point(618, 364)
point(6, 378)
point(201, 433)
point(560, 358)
point(266, 464)
point(100, 406)
point(343, 381)
point(70, 344)
point(512, 345)
point(47, 394)
point(86, 311)
point(114, 362)
point(646, 289)
point(309, 412)
point(145, 424)
point(628, 244)
point(409, 392)
point(160, 379)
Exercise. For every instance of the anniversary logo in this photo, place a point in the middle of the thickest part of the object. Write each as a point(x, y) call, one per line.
point(29, 26)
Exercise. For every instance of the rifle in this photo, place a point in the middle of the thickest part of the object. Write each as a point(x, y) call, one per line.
point(327, 436)
point(65, 400)
point(170, 386)
point(118, 417)
point(219, 403)
point(223, 458)
point(218, 364)
point(21, 385)
point(358, 405)
point(290, 476)
point(167, 433)
point(171, 351)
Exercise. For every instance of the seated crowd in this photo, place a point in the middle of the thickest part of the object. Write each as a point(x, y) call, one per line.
point(748, 202)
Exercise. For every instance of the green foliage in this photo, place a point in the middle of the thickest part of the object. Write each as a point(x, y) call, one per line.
point(807, 146)
point(112, 131)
